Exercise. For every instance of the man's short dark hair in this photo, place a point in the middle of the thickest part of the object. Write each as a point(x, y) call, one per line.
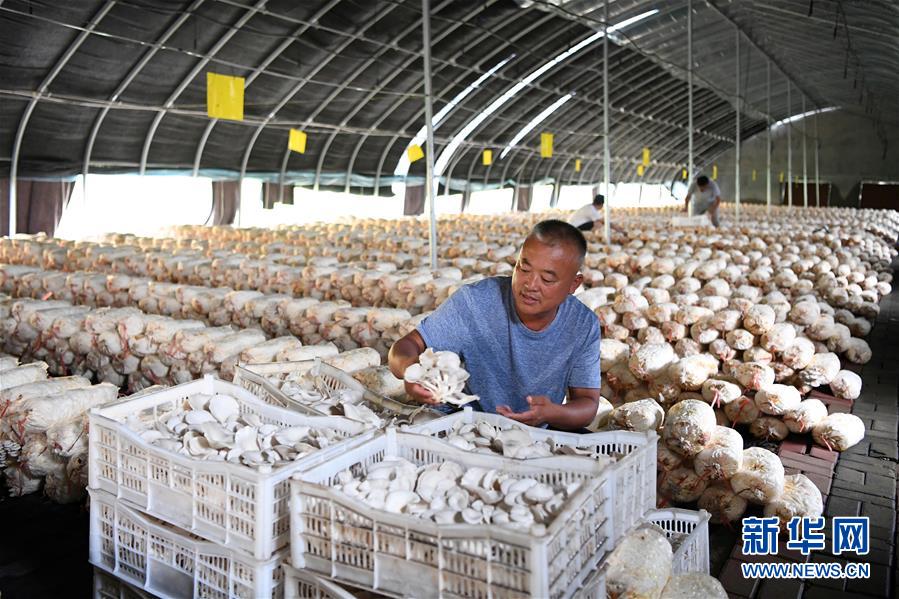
point(702, 180)
point(555, 232)
point(599, 200)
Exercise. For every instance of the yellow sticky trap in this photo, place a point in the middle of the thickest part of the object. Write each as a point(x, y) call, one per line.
point(546, 145)
point(640, 170)
point(415, 153)
point(487, 157)
point(753, 174)
point(224, 97)
point(714, 171)
point(577, 165)
point(683, 174)
point(645, 156)
point(781, 176)
point(297, 141)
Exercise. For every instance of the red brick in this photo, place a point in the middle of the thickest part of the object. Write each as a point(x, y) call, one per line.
point(808, 464)
point(794, 444)
point(824, 454)
point(822, 482)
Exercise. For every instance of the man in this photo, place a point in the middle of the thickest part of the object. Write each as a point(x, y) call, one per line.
point(708, 198)
point(587, 217)
point(525, 339)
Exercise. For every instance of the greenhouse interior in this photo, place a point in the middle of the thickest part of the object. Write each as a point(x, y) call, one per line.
point(449, 298)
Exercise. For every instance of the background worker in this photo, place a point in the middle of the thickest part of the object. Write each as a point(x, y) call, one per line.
point(708, 198)
point(590, 217)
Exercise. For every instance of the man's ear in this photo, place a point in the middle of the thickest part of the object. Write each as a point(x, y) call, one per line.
point(578, 280)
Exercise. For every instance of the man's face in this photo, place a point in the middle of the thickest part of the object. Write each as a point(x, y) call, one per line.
point(702, 187)
point(544, 276)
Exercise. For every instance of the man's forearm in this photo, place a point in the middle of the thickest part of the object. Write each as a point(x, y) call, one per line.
point(577, 413)
point(403, 353)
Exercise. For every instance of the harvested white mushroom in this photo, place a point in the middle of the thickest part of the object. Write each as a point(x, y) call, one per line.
point(442, 374)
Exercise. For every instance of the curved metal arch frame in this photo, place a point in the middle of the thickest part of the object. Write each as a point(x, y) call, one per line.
point(417, 115)
point(416, 25)
point(201, 64)
point(32, 104)
point(297, 88)
point(274, 55)
point(128, 79)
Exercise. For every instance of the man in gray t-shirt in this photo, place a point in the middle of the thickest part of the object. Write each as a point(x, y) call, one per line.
point(707, 198)
point(527, 342)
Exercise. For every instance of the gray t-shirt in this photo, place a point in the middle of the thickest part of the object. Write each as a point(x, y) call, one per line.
point(508, 361)
point(703, 200)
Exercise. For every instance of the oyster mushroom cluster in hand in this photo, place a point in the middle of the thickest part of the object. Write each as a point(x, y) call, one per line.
point(447, 493)
point(211, 427)
point(442, 374)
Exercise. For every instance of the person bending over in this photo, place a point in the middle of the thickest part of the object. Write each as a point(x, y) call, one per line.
point(708, 198)
point(525, 339)
point(590, 217)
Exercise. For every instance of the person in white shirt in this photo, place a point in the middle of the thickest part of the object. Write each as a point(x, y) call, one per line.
point(708, 198)
point(588, 217)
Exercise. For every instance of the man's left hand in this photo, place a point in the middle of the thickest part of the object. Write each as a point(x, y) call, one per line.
point(540, 411)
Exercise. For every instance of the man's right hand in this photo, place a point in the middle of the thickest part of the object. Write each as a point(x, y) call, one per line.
point(418, 393)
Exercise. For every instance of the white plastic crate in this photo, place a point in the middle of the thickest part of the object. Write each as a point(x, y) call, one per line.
point(633, 487)
point(688, 532)
point(595, 585)
point(244, 508)
point(400, 555)
point(107, 586)
point(326, 378)
point(302, 584)
point(168, 562)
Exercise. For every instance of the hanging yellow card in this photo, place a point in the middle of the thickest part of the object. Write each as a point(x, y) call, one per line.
point(297, 141)
point(546, 145)
point(415, 153)
point(645, 156)
point(487, 157)
point(224, 97)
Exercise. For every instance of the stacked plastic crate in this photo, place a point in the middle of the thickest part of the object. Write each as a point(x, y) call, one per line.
point(400, 555)
point(178, 526)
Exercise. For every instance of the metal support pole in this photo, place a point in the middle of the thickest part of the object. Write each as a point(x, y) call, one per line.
point(429, 125)
point(690, 100)
point(817, 180)
point(606, 157)
point(804, 164)
point(739, 106)
point(789, 148)
point(768, 139)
